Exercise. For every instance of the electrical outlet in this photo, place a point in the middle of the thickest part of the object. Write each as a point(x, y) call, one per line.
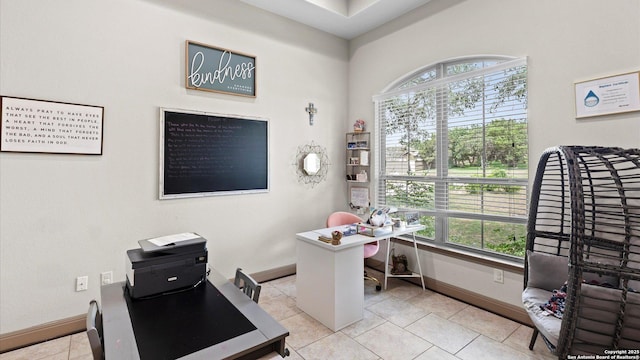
point(106, 278)
point(82, 283)
point(498, 276)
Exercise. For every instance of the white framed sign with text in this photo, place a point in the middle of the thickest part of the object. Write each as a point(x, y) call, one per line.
point(41, 126)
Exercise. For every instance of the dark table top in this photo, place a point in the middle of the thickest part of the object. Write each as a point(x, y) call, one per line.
point(212, 321)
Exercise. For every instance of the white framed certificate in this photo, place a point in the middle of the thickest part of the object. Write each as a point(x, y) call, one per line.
point(608, 95)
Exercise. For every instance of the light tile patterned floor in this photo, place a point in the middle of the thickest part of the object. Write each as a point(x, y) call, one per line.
point(400, 323)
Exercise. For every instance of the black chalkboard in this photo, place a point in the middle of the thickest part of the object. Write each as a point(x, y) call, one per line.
point(206, 154)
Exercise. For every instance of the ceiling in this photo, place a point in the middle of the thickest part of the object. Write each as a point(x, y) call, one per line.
point(344, 18)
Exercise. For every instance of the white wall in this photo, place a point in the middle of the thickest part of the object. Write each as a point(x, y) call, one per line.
point(62, 216)
point(565, 42)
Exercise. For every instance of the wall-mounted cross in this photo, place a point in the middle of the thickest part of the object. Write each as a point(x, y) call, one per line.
point(312, 110)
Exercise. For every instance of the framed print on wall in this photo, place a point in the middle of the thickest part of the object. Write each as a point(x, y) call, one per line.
point(359, 197)
point(42, 126)
point(608, 95)
point(214, 69)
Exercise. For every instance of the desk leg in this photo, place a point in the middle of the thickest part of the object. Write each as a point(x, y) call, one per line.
point(386, 263)
point(415, 247)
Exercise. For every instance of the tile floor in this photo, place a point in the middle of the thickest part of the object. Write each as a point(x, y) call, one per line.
point(400, 323)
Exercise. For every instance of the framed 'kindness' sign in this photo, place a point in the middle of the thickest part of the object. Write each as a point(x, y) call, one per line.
point(219, 70)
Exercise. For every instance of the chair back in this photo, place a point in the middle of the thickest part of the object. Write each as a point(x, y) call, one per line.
point(342, 218)
point(247, 284)
point(346, 218)
point(94, 330)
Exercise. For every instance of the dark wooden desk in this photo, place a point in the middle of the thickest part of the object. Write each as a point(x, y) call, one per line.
point(263, 335)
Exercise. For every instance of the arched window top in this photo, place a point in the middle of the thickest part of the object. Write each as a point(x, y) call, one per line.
point(446, 68)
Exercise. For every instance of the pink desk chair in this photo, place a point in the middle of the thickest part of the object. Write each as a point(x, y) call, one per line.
point(345, 218)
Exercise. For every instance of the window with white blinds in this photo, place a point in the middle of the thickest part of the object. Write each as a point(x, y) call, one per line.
point(452, 144)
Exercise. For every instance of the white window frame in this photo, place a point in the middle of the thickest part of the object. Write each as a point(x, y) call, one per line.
point(441, 180)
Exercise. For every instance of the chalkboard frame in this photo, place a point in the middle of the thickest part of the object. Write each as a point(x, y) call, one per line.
point(163, 194)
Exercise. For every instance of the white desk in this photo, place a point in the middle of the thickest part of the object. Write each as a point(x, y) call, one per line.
point(329, 279)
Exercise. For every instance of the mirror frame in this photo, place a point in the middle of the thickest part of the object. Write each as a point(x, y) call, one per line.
point(311, 164)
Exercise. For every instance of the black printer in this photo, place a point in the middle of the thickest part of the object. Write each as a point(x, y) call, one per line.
point(166, 264)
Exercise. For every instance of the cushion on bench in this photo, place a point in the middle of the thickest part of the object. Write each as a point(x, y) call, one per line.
point(547, 324)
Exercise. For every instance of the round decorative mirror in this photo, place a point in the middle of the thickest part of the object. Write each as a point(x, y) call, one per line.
point(311, 164)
